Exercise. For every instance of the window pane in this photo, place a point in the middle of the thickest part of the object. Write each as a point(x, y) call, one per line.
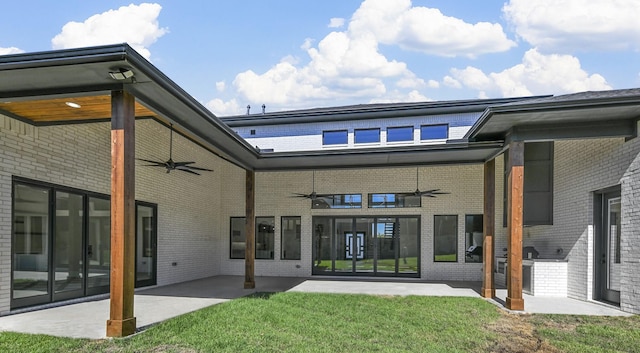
point(367, 135)
point(99, 245)
point(473, 233)
point(291, 234)
point(434, 132)
point(394, 201)
point(238, 238)
point(445, 244)
point(30, 241)
point(145, 244)
point(395, 134)
point(265, 227)
point(334, 137)
point(68, 242)
point(337, 201)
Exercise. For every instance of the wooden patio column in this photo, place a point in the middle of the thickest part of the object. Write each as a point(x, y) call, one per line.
point(489, 224)
point(250, 227)
point(121, 320)
point(514, 211)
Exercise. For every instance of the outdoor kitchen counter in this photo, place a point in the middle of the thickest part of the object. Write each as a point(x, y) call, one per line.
point(540, 277)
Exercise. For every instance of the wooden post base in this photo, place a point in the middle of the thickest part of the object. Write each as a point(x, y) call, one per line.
point(515, 304)
point(488, 293)
point(121, 328)
point(249, 285)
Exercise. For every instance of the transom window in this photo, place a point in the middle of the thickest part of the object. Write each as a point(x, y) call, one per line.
point(394, 201)
point(401, 133)
point(434, 132)
point(367, 135)
point(337, 201)
point(336, 137)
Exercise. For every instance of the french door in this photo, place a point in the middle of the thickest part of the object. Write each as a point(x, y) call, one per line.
point(366, 246)
point(61, 244)
point(608, 262)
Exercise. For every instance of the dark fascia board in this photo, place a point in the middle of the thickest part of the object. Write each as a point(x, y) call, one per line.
point(460, 152)
point(152, 87)
point(542, 106)
point(368, 111)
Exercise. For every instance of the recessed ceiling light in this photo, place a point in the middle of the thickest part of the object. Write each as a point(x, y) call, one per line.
point(73, 104)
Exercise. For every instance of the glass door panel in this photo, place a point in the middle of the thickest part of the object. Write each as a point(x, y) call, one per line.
point(344, 249)
point(613, 249)
point(386, 238)
point(31, 239)
point(145, 245)
point(409, 247)
point(364, 245)
point(68, 247)
point(322, 245)
point(98, 245)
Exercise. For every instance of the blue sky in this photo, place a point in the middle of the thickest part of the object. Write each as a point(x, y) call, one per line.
point(292, 54)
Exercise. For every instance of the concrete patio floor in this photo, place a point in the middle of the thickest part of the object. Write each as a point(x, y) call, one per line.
point(88, 319)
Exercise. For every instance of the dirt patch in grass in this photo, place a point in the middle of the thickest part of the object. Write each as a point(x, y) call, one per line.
point(516, 334)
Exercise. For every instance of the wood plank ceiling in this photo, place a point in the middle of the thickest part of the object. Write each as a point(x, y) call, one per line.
point(57, 110)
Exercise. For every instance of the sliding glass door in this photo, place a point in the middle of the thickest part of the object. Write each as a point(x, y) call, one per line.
point(366, 246)
point(61, 244)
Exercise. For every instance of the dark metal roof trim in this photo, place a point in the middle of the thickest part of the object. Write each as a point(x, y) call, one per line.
point(583, 100)
point(368, 111)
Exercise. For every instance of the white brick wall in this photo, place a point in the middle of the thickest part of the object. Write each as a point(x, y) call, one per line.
point(273, 191)
point(79, 156)
point(580, 168)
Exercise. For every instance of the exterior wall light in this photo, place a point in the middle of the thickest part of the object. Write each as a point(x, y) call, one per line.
point(121, 74)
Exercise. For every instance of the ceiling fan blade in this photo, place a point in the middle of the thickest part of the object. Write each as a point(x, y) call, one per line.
point(197, 168)
point(181, 164)
point(187, 170)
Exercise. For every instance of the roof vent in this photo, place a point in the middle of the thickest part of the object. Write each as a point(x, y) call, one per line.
point(248, 109)
point(264, 107)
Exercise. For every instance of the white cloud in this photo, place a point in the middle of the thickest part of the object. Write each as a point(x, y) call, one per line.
point(451, 82)
point(347, 66)
point(567, 25)
point(400, 97)
point(136, 25)
point(220, 86)
point(222, 108)
point(336, 22)
point(537, 74)
point(427, 30)
point(10, 50)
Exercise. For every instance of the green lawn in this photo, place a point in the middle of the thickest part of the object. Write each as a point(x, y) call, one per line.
point(305, 322)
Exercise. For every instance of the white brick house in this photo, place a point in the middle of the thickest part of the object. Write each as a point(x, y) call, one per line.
point(577, 156)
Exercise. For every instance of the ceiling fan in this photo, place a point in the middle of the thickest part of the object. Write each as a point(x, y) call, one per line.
point(426, 193)
point(313, 195)
point(171, 165)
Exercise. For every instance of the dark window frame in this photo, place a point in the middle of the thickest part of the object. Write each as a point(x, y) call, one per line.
point(298, 236)
point(231, 234)
point(398, 128)
point(423, 132)
point(272, 240)
point(326, 134)
point(469, 256)
point(329, 202)
point(365, 130)
point(399, 201)
point(435, 238)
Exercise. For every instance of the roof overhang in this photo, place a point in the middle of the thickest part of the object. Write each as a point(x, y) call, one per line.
point(83, 74)
point(582, 115)
point(459, 152)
